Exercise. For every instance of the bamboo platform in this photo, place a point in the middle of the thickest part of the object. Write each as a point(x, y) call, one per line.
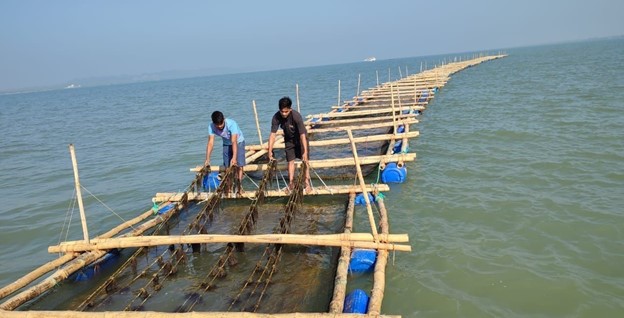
point(379, 118)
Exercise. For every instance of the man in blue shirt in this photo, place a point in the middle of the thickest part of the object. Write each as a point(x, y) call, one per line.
point(233, 143)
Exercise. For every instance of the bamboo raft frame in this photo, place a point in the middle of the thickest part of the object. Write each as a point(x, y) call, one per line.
point(397, 98)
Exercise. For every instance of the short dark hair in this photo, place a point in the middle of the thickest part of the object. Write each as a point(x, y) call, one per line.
point(285, 102)
point(217, 117)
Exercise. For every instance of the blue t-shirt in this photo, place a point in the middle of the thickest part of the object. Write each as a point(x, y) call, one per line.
point(230, 128)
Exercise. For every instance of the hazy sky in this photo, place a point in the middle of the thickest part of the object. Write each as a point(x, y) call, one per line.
point(52, 42)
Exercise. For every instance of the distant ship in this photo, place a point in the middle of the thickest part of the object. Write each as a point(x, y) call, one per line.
point(370, 59)
point(72, 86)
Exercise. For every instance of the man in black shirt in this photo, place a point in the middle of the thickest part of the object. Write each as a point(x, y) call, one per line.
point(295, 138)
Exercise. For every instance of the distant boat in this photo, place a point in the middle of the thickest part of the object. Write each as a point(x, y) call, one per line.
point(72, 86)
point(370, 59)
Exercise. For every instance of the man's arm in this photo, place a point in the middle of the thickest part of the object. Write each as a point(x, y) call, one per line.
point(233, 161)
point(304, 146)
point(209, 146)
point(271, 142)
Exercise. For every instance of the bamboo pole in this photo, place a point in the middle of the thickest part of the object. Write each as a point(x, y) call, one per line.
point(43, 269)
point(377, 75)
point(343, 141)
point(73, 266)
point(40, 271)
point(365, 112)
point(405, 142)
point(364, 241)
point(195, 314)
point(358, 90)
point(83, 218)
point(340, 281)
point(127, 224)
point(407, 121)
point(360, 120)
point(394, 120)
point(323, 163)
point(253, 102)
point(51, 281)
point(339, 102)
point(326, 190)
point(385, 95)
point(379, 274)
point(375, 104)
point(297, 91)
point(153, 240)
point(371, 218)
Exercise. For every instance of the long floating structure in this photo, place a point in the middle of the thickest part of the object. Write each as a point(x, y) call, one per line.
point(371, 130)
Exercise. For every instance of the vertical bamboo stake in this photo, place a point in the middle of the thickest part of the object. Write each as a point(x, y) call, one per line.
point(420, 66)
point(253, 102)
point(377, 74)
point(400, 73)
point(83, 218)
point(415, 94)
point(358, 91)
point(371, 218)
point(297, 90)
point(406, 75)
point(339, 103)
point(340, 282)
point(405, 143)
point(379, 275)
point(394, 120)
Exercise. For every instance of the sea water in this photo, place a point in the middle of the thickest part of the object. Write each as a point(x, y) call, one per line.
point(514, 206)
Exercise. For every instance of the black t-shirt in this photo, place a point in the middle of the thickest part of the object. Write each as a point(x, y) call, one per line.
point(292, 125)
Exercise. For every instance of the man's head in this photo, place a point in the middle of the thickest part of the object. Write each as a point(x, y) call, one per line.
point(285, 106)
point(218, 119)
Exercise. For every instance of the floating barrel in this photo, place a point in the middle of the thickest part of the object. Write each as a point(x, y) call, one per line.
point(166, 208)
point(92, 269)
point(211, 181)
point(423, 96)
point(413, 111)
point(392, 173)
point(316, 120)
point(356, 302)
point(359, 199)
point(397, 147)
point(362, 260)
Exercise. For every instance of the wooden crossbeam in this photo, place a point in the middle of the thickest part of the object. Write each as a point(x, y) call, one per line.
point(324, 163)
point(195, 314)
point(356, 240)
point(325, 190)
point(365, 112)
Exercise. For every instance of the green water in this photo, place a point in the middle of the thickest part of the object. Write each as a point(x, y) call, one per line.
point(513, 206)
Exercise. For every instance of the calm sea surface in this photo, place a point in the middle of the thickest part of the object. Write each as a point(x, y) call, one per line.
point(514, 207)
